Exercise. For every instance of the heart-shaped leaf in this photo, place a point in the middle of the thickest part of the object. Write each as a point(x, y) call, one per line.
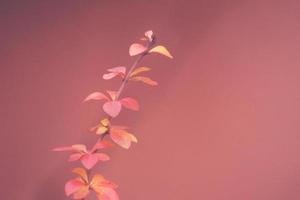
point(136, 49)
point(112, 108)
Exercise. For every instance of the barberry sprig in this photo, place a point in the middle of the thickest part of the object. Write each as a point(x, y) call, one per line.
point(82, 185)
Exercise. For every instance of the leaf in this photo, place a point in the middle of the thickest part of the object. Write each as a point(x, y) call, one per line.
point(120, 69)
point(102, 156)
point(69, 148)
point(139, 70)
point(107, 194)
point(75, 157)
point(122, 137)
point(115, 72)
point(161, 50)
point(72, 186)
point(101, 145)
point(81, 193)
point(75, 147)
point(112, 94)
point(101, 130)
point(79, 147)
point(130, 103)
point(96, 183)
point(149, 35)
point(105, 122)
point(82, 173)
point(136, 49)
point(144, 79)
point(96, 96)
point(89, 160)
point(112, 108)
point(109, 76)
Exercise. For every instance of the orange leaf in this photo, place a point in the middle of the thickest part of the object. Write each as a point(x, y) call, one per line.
point(96, 182)
point(144, 79)
point(107, 193)
point(161, 50)
point(136, 49)
point(101, 130)
point(82, 192)
point(122, 137)
point(139, 70)
point(82, 173)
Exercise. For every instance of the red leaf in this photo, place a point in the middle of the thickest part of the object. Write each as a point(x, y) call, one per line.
point(112, 108)
point(130, 103)
point(101, 145)
point(136, 49)
point(96, 96)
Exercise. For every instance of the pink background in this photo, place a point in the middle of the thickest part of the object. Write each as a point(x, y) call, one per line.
point(223, 123)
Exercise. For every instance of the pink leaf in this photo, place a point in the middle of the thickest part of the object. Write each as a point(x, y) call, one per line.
point(149, 35)
point(89, 160)
point(102, 156)
point(75, 156)
point(120, 69)
point(96, 96)
point(115, 72)
point(136, 49)
point(109, 76)
point(112, 108)
point(130, 103)
point(69, 148)
point(72, 186)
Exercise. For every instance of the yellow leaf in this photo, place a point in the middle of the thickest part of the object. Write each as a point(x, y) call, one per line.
point(96, 182)
point(132, 137)
point(101, 130)
point(161, 50)
point(139, 70)
point(105, 122)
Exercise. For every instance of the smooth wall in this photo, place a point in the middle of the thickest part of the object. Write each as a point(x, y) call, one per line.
point(223, 124)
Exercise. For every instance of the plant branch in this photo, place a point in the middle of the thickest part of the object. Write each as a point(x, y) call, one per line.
point(124, 82)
